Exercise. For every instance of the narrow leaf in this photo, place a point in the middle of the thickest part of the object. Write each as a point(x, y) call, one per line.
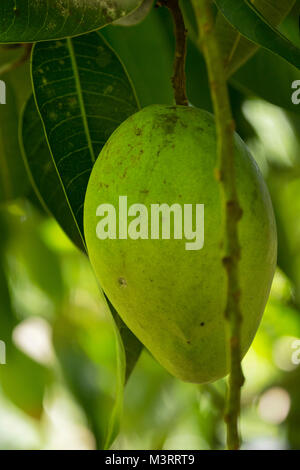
point(246, 18)
point(235, 48)
point(269, 77)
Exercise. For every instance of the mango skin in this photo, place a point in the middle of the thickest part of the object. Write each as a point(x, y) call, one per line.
point(173, 299)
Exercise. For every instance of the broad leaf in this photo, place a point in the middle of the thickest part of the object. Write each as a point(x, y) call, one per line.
point(247, 19)
point(45, 180)
point(43, 20)
point(83, 94)
point(42, 172)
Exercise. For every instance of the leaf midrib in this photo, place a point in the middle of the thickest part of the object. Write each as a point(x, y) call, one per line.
point(80, 98)
point(53, 159)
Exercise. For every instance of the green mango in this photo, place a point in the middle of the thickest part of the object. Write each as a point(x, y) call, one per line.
point(171, 290)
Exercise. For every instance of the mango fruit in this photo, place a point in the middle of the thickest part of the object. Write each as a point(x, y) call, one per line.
point(168, 289)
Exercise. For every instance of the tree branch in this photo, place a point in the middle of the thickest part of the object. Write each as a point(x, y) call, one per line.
point(225, 174)
point(179, 77)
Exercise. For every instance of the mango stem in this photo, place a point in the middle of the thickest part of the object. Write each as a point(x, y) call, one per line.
point(179, 77)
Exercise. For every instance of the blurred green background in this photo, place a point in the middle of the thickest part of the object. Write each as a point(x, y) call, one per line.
point(58, 386)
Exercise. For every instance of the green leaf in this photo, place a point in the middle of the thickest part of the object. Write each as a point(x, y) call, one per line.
point(147, 50)
point(42, 172)
point(137, 15)
point(18, 77)
point(13, 179)
point(250, 23)
point(83, 94)
point(32, 21)
point(196, 78)
point(7, 320)
point(290, 26)
point(235, 48)
point(86, 348)
point(284, 186)
point(128, 351)
point(189, 19)
point(22, 379)
point(21, 373)
point(85, 375)
point(29, 248)
point(268, 77)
